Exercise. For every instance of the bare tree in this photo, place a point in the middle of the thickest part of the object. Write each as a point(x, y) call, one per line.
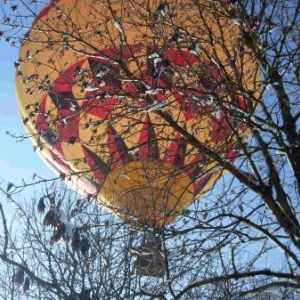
point(60, 247)
point(238, 83)
point(95, 255)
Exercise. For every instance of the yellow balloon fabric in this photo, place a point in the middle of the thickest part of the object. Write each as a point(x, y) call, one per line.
point(96, 79)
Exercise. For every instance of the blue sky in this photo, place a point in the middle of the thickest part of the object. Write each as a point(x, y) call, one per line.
point(17, 159)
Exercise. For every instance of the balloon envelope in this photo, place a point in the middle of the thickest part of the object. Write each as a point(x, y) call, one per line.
point(106, 89)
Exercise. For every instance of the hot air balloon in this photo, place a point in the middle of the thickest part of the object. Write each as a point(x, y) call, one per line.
point(109, 92)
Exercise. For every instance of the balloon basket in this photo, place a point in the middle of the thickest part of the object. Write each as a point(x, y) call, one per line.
point(151, 264)
point(150, 260)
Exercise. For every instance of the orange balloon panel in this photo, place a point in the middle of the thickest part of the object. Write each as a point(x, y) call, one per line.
point(95, 81)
